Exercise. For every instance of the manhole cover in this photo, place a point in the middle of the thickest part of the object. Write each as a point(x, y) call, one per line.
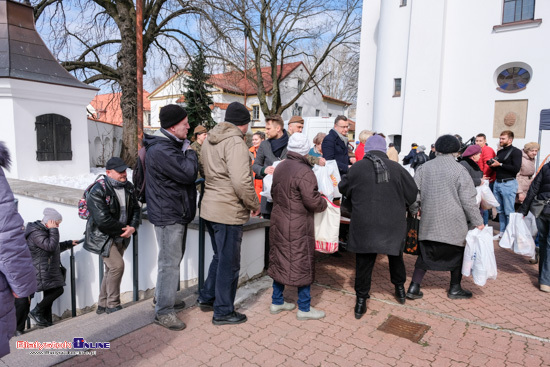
point(404, 329)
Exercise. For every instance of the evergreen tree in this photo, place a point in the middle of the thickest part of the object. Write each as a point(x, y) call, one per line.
point(197, 97)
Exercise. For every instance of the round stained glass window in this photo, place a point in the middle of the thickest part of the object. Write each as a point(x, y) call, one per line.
point(513, 79)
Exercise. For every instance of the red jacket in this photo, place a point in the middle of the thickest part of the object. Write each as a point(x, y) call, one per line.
point(487, 153)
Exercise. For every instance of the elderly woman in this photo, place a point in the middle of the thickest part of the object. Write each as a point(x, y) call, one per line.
point(527, 172)
point(292, 234)
point(360, 151)
point(469, 160)
point(316, 150)
point(448, 201)
point(17, 278)
point(380, 191)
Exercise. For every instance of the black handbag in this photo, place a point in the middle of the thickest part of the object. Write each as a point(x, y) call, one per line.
point(537, 206)
point(63, 271)
point(411, 240)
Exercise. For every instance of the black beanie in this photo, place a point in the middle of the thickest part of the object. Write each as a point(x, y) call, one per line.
point(446, 144)
point(237, 114)
point(170, 115)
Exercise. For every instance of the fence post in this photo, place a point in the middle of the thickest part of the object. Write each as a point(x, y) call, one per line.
point(100, 271)
point(73, 284)
point(201, 240)
point(135, 246)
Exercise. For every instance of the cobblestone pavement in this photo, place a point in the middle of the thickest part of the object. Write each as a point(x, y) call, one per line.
point(506, 323)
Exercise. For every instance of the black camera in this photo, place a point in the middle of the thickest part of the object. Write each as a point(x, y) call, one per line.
point(491, 161)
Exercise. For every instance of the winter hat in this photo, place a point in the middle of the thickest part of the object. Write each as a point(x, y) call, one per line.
point(298, 143)
point(117, 164)
point(446, 144)
point(170, 115)
point(51, 214)
point(471, 150)
point(375, 142)
point(5, 160)
point(199, 130)
point(297, 119)
point(237, 114)
point(531, 146)
point(421, 149)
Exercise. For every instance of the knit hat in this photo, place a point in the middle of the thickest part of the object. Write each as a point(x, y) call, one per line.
point(375, 142)
point(199, 130)
point(171, 115)
point(471, 150)
point(446, 144)
point(51, 214)
point(421, 149)
point(531, 146)
point(298, 143)
point(297, 119)
point(237, 114)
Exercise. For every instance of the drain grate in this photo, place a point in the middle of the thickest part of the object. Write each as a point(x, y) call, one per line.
point(404, 329)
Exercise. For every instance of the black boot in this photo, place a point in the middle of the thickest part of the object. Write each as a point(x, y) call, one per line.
point(400, 293)
point(360, 307)
point(38, 317)
point(414, 291)
point(456, 292)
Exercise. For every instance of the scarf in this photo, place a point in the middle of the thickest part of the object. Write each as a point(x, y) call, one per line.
point(342, 137)
point(278, 145)
point(114, 183)
point(121, 195)
point(382, 173)
point(472, 164)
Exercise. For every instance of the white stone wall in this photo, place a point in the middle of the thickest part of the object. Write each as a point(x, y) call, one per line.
point(105, 141)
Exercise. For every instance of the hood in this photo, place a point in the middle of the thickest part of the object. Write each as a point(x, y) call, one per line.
point(526, 156)
point(34, 226)
point(222, 131)
point(5, 160)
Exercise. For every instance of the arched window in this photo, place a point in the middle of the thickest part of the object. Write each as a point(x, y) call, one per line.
point(53, 138)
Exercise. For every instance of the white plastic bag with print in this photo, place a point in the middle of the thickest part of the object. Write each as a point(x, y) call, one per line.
point(267, 181)
point(328, 178)
point(518, 236)
point(479, 256)
point(327, 228)
point(488, 200)
point(531, 222)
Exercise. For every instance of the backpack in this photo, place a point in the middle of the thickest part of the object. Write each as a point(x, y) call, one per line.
point(83, 211)
point(138, 177)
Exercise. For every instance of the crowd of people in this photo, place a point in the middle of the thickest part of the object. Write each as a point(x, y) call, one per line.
point(378, 189)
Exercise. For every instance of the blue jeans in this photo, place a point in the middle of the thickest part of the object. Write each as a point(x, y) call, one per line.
point(171, 250)
point(485, 215)
point(543, 225)
point(505, 193)
point(304, 296)
point(223, 275)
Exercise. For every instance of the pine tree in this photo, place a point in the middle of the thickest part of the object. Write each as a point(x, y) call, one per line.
point(197, 98)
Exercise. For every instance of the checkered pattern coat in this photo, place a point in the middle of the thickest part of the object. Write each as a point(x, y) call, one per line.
point(447, 201)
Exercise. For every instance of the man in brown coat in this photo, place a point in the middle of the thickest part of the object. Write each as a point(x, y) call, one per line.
point(292, 235)
point(229, 198)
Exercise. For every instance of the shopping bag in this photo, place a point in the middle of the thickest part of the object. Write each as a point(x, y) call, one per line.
point(267, 181)
point(517, 236)
point(478, 195)
point(479, 256)
point(411, 241)
point(327, 227)
point(328, 178)
point(531, 222)
point(488, 200)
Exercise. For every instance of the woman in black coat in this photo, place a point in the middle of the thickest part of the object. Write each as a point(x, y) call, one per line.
point(43, 241)
point(469, 160)
point(380, 191)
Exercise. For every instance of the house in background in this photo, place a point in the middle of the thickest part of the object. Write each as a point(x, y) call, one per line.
point(231, 87)
point(105, 126)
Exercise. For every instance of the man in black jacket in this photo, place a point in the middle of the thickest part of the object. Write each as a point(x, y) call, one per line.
point(171, 171)
point(335, 145)
point(506, 164)
point(114, 217)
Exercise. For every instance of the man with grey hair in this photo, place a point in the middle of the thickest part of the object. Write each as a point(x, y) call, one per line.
point(335, 144)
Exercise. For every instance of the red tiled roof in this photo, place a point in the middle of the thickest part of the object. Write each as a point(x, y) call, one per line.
point(181, 99)
point(107, 107)
point(223, 106)
point(336, 100)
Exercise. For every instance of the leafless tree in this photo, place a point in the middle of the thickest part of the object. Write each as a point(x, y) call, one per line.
point(96, 40)
point(279, 31)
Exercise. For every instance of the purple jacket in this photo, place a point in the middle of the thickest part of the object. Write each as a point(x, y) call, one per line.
point(16, 269)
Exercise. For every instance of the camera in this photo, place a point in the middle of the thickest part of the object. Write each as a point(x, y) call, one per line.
point(491, 161)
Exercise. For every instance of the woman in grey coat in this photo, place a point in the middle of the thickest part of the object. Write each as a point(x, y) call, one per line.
point(448, 202)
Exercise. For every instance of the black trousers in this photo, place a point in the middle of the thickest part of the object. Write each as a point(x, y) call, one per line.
point(364, 263)
point(45, 306)
point(22, 308)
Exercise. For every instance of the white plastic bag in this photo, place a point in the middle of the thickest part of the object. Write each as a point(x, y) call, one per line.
point(327, 227)
point(479, 256)
point(518, 236)
point(531, 222)
point(478, 195)
point(488, 200)
point(328, 178)
point(267, 181)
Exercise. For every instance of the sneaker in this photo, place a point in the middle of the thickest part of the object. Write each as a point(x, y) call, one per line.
point(498, 236)
point(275, 309)
point(312, 314)
point(100, 310)
point(232, 319)
point(545, 288)
point(170, 321)
point(114, 309)
point(178, 306)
